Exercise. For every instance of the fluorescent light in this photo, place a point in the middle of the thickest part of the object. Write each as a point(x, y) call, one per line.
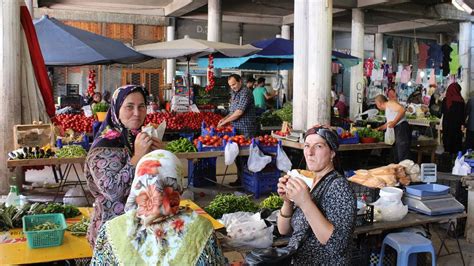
point(409, 84)
point(459, 4)
point(422, 74)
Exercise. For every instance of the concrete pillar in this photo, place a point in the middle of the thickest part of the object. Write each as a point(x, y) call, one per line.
point(357, 50)
point(285, 34)
point(170, 63)
point(319, 62)
point(214, 20)
point(465, 58)
point(29, 5)
point(300, 69)
point(379, 46)
point(10, 95)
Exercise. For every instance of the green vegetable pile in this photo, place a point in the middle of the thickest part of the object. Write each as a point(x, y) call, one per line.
point(273, 202)
point(45, 226)
point(285, 113)
point(71, 151)
point(181, 145)
point(229, 203)
point(100, 107)
point(79, 228)
point(10, 217)
point(370, 133)
point(269, 119)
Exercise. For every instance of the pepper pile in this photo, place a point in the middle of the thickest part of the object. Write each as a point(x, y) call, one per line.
point(79, 228)
point(180, 145)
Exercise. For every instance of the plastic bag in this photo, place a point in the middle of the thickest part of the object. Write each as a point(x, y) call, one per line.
point(257, 160)
point(157, 132)
point(282, 161)
point(75, 196)
point(230, 153)
point(390, 136)
point(247, 229)
point(460, 166)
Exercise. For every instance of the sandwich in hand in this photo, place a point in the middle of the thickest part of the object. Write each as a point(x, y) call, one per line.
point(155, 130)
point(305, 175)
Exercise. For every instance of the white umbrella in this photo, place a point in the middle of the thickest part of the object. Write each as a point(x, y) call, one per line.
point(188, 48)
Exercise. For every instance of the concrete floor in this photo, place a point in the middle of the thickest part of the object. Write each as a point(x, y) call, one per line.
point(202, 196)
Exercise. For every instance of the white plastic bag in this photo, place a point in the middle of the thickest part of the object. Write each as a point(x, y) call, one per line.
point(282, 161)
point(257, 160)
point(247, 229)
point(75, 196)
point(461, 167)
point(230, 153)
point(390, 136)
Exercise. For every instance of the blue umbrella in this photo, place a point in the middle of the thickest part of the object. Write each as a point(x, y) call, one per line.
point(63, 45)
point(276, 54)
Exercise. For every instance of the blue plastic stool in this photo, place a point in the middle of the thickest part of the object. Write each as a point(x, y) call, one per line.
point(405, 244)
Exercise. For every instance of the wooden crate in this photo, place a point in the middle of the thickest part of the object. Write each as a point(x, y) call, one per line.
point(33, 135)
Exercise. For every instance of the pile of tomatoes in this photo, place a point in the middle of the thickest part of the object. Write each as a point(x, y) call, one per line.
point(214, 141)
point(239, 139)
point(267, 140)
point(183, 121)
point(226, 129)
point(281, 133)
point(346, 135)
point(77, 122)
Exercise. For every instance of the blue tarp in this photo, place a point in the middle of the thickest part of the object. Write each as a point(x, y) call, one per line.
point(276, 54)
point(63, 45)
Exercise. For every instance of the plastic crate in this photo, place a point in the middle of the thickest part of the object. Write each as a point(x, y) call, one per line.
point(212, 132)
point(263, 182)
point(360, 190)
point(366, 218)
point(201, 169)
point(44, 238)
point(266, 149)
point(201, 147)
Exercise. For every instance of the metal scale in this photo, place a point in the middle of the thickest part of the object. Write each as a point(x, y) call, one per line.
point(435, 201)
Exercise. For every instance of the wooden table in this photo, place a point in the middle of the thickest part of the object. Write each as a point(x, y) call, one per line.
point(14, 248)
point(421, 146)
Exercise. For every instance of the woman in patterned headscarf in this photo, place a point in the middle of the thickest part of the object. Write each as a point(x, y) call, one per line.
point(320, 220)
point(117, 147)
point(155, 230)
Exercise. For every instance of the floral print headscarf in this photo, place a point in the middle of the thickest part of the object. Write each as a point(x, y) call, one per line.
point(112, 132)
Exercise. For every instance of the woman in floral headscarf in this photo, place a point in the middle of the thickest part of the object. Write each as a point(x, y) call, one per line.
point(117, 147)
point(154, 230)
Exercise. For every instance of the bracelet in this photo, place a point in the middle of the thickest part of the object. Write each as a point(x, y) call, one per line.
point(285, 216)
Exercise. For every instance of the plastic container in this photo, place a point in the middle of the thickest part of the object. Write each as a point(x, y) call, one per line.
point(212, 132)
point(263, 182)
point(365, 218)
point(427, 190)
point(44, 238)
point(391, 193)
point(351, 140)
point(264, 148)
point(201, 147)
point(201, 169)
point(368, 140)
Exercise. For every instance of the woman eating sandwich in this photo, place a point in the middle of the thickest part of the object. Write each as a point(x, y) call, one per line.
point(320, 218)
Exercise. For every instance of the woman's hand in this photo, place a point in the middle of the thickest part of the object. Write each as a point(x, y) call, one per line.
point(298, 191)
point(281, 187)
point(143, 144)
point(156, 144)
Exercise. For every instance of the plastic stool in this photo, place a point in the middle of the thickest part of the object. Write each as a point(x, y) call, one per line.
point(406, 244)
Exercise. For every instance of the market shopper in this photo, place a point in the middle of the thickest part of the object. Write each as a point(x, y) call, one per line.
point(321, 220)
point(469, 124)
point(242, 116)
point(453, 112)
point(395, 116)
point(261, 95)
point(250, 83)
point(115, 152)
point(154, 230)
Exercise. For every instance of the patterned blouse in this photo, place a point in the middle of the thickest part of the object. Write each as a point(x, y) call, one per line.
point(339, 206)
point(243, 100)
point(109, 177)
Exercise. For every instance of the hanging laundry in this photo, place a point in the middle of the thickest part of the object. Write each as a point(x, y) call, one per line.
point(435, 58)
point(335, 68)
point(454, 64)
point(406, 74)
point(446, 58)
point(422, 54)
point(369, 66)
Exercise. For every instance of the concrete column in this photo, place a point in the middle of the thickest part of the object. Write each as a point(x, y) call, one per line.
point(465, 58)
point(10, 94)
point(319, 62)
point(29, 5)
point(379, 46)
point(214, 20)
point(170, 63)
point(357, 50)
point(285, 34)
point(300, 69)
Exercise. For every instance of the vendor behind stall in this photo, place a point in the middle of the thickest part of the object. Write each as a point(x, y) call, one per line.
point(111, 161)
point(395, 115)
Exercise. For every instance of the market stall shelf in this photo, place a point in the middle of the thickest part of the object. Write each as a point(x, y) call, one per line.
point(342, 147)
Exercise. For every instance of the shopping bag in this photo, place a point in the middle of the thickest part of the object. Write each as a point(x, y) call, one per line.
point(257, 160)
point(231, 152)
point(390, 136)
point(282, 160)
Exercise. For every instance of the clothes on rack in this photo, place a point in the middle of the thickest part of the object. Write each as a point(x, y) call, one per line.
point(422, 54)
point(435, 58)
point(446, 58)
point(454, 64)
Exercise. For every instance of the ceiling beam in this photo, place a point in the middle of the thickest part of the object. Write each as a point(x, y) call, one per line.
point(112, 8)
point(367, 3)
point(419, 35)
point(345, 4)
point(239, 18)
point(438, 12)
point(179, 8)
point(290, 19)
point(409, 25)
point(107, 17)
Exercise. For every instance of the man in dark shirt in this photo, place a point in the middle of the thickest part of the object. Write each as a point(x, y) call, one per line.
point(242, 116)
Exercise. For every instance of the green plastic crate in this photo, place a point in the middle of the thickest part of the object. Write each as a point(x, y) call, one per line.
point(44, 238)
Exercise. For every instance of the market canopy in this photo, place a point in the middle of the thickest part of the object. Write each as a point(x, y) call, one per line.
point(188, 48)
point(275, 54)
point(63, 45)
